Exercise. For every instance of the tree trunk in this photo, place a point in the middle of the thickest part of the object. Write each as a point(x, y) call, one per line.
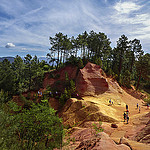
point(132, 62)
point(138, 83)
point(58, 58)
point(120, 65)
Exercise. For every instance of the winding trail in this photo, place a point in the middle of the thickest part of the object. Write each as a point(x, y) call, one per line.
point(116, 111)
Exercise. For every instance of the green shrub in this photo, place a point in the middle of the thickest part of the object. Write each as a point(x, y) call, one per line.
point(72, 60)
point(3, 97)
point(37, 128)
point(57, 76)
point(98, 128)
point(80, 64)
point(147, 100)
point(28, 96)
point(27, 103)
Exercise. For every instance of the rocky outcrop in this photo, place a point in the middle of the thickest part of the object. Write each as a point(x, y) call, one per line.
point(101, 141)
point(137, 94)
point(91, 80)
point(76, 112)
point(113, 125)
point(134, 145)
point(144, 135)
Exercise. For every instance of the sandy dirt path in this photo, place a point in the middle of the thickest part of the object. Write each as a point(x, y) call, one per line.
point(117, 109)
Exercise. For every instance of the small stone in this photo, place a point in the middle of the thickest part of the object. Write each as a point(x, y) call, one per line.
point(114, 125)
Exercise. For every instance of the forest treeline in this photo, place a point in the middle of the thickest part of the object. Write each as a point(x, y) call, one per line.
point(126, 62)
point(22, 75)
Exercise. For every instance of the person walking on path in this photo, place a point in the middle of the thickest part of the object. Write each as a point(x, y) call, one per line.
point(137, 105)
point(110, 101)
point(127, 119)
point(139, 109)
point(38, 92)
point(147, 105)
point(126, 107)
point(127, 112)
point(124, 116)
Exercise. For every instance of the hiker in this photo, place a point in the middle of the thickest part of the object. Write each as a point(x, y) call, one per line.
point(38, 92)
point(124, 116)
point(137, 105)
point(127, 119)
point(127, 112)
point(110, 101)
point(126, 107)
point(139, 109)
point(41, 92)
point(147, 105)
point(50, 93)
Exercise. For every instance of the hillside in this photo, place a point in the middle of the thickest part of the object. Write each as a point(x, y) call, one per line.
point(92, 105)
point(11, 59)
point(96, 90)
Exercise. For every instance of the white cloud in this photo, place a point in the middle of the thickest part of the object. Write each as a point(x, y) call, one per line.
point(126, 7)
point(8, 45)
point(131, 19)
point(32, 22)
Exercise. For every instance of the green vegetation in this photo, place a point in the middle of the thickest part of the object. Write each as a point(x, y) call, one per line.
point(98, 128)
point(34, 128)
point(22, 75)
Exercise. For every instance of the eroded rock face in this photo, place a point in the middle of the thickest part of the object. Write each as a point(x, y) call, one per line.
point(134, 145)
point(144, 135)
point(100, 142)
point(59, 75)
point(91, 80)
point(76, 112)
point(54, 103)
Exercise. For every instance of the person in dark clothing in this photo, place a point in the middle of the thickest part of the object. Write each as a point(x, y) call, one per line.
point(110, 101)
point(124, 116)
point(127, 112)
point(147, 105)
point(139, 109)
point(126, 107)
point(127, 119)
point(137, 105)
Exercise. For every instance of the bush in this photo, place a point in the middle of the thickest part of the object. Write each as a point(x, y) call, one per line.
point(72, 60)
point(80, 64)
point(27, 103)
point(46, 67)
point(147, 100)
point(109, 72)
point(98, 128)
point(51, 75)
point(3, 96)
point(37, 128)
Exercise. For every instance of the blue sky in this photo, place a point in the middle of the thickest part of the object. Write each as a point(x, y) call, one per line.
point(25, 25)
